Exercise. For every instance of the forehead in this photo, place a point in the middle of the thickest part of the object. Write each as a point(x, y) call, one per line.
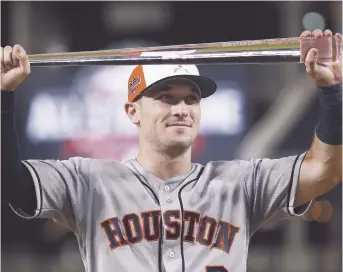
point(172, 84)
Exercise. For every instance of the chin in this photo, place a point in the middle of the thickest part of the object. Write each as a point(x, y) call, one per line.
point(184, 141)
point(179, 138)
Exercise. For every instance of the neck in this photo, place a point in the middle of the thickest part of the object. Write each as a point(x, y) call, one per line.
point(164, 165)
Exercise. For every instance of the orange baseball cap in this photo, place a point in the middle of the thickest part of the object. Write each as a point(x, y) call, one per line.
point(143, 77)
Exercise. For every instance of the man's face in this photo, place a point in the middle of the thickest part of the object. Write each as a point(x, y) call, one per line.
point(169, 114)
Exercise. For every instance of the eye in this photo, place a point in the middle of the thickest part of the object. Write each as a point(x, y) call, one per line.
point(192, 99)
point(164, 97)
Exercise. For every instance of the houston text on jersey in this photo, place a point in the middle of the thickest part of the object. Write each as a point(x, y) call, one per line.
point(134, 228)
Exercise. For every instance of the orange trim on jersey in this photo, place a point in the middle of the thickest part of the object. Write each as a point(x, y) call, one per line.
point(205, 227)
point(130, 229)
point(170, 216)
point(234, 235)
point(222, 240)
point(113, 229)
point(149, 213)
point(196, 221)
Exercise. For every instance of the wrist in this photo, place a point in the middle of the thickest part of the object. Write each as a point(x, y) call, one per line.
point(7, 101)
point(329, 129)
point(329, 89)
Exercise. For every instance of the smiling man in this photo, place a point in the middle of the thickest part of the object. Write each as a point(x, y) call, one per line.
point(160, 211)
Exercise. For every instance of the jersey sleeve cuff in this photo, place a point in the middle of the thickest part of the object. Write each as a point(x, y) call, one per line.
point(292, 209)
point(38, 190)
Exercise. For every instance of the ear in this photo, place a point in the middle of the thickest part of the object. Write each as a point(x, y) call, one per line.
point(132, 111)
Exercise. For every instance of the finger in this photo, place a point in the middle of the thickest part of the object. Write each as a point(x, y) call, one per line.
point(339, 37)
point(317, 33)
point(24, 62)
point(8, 57)
point(305, 34)
point(2, 58)
point(327, 33)
point(16, 55)
point(311, 62)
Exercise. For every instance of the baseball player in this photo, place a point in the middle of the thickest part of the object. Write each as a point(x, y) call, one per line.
point(159, 211)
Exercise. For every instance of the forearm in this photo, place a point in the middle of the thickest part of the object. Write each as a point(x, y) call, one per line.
point(327, 145)
point(14, 175)
point(322, 167)
point(328, 157)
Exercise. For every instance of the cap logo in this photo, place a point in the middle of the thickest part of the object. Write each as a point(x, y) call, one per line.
point(180, 70)
point(134, 84)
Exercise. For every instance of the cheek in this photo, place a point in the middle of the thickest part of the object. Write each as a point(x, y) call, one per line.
point(196, 114)
point(151, 118)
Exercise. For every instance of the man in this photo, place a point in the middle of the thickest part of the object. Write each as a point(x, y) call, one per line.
point(160, 211)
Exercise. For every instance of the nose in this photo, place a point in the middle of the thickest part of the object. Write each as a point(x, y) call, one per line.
point(180, 109)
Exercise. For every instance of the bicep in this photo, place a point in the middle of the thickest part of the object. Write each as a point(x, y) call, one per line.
point(273, 184)
point(21, 191)
point(58, 189)
point(320, 171)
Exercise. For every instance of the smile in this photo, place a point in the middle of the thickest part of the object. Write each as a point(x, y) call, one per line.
point(179, 125)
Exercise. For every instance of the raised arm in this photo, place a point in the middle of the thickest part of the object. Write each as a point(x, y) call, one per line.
point(16, 178)
point(37, 188)
point(321, 169)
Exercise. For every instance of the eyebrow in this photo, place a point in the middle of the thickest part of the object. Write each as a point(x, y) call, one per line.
point(165, 87)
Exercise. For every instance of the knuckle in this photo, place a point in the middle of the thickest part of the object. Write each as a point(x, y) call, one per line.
point(306, 33)
point(8, 48)
point(7, 61)
point(17, 46)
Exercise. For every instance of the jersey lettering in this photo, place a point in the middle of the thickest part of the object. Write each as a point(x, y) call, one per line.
point(172, 222)
point(134, 228)
point(192, 218)
point(151, 225)
point(225, 236)
point(206, 230)
point(113, 232)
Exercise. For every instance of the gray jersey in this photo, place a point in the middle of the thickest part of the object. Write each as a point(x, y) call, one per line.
point(127, 219)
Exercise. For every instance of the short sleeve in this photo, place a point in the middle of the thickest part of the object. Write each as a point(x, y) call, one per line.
point(60, 186)
point(271, 187)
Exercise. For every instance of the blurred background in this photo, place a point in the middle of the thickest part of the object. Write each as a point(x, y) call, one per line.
point(259, 111)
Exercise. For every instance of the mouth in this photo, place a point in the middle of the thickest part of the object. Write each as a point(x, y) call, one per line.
point(179, 125)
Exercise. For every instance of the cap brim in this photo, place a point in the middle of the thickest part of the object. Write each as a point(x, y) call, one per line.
point(206, 85)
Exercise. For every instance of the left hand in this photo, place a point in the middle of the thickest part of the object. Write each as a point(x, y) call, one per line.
point(323, 74)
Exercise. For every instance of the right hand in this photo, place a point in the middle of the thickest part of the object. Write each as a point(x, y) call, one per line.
point(15, 67)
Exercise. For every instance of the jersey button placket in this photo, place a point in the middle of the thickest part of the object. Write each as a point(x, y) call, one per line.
point(170, 206)
point(166, 188)
point(166, 195)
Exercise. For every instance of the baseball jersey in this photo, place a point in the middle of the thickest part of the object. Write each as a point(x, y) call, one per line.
point(127, 219)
